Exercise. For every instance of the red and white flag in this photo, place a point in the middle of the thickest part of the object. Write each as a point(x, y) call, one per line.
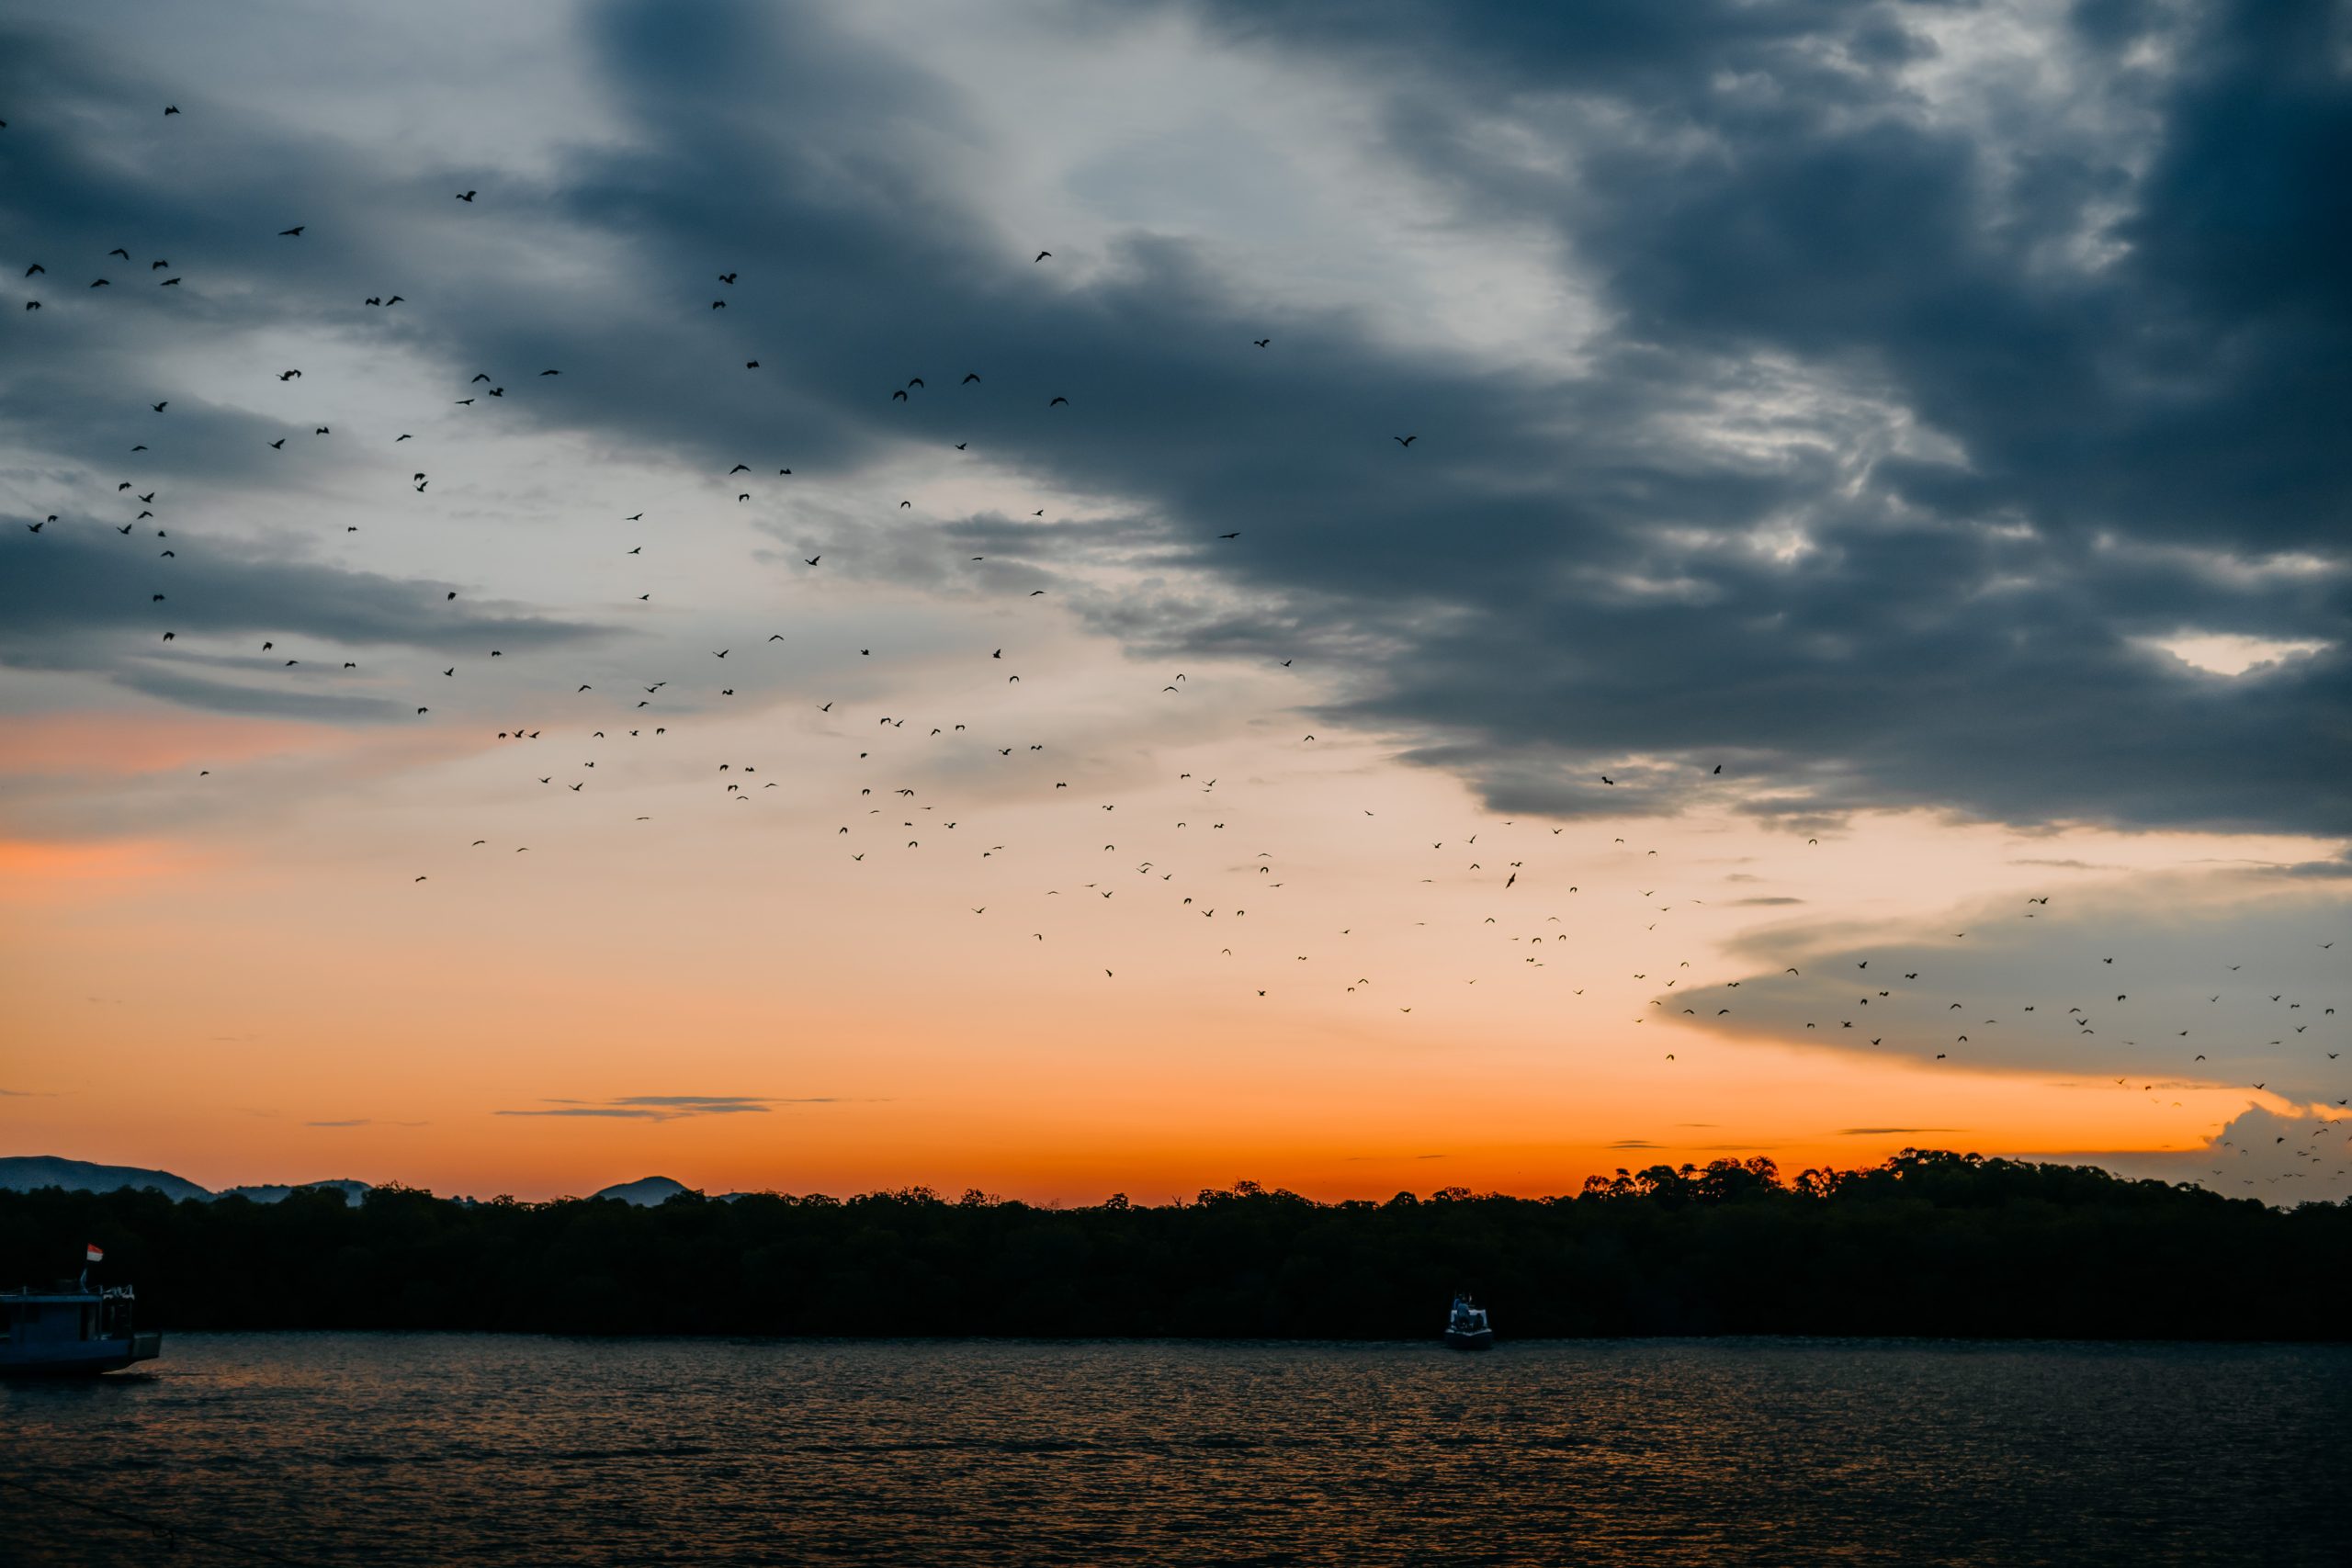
point(92, 1252)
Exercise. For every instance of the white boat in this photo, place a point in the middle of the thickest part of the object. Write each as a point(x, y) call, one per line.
point(1467, 1328)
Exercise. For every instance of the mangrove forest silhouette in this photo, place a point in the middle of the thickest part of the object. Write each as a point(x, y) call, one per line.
point(1928, 1244)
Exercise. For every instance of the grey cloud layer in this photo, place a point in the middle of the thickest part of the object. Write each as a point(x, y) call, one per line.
point(2128, 995)
point(74, 602)
point(669, 1107)
point(1899, 442)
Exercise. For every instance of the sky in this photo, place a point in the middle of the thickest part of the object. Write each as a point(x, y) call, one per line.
point(1064, 598)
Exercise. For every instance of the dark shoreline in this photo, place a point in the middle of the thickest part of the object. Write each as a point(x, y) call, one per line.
point(1928, 1247)
point(1430, 1342)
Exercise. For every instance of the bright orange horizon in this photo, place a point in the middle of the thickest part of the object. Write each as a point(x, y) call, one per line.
point(265, 999)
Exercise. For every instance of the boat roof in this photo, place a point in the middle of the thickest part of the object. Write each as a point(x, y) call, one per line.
point(65, 1293)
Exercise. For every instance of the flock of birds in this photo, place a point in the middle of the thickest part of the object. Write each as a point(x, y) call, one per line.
point(1888, 1012)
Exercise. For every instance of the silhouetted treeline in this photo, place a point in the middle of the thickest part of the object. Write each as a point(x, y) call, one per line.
point(1928, 1244)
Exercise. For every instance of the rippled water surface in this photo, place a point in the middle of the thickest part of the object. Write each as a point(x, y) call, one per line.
point(445, 1449)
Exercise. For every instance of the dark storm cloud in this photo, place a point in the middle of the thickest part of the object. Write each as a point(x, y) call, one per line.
point(2125, 348)
point(2181, 391)
point(2187, 390)
point(93, 168)
point(1962, 634)
point(260, 702)
point(68, 603)
point(57, 584)
point(1641, 50)
point(2323, 869)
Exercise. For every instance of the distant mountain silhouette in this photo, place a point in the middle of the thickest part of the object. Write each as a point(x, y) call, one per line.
point(353, 1192)
point(28, 1173)
point(645, 1192)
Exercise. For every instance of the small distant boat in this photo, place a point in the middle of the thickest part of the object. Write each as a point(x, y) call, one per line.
point(70, 1328)
point(1467, 1328)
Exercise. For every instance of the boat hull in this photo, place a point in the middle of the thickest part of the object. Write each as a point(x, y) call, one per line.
point(1470, 1339)
point(79, 1358)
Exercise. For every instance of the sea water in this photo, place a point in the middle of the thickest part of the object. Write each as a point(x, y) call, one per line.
point(443, 1448)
